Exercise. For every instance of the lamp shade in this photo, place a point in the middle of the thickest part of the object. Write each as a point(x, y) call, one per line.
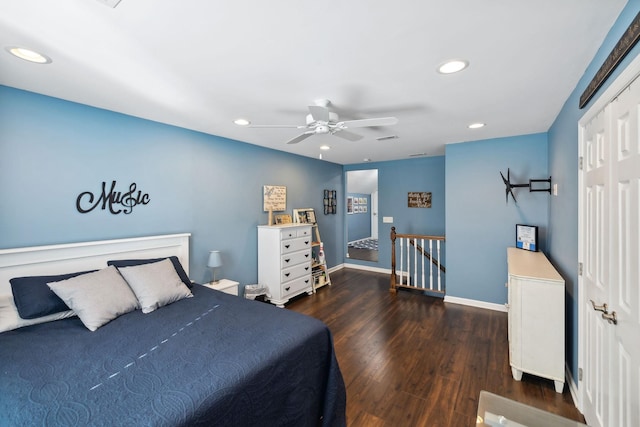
point(215, 259)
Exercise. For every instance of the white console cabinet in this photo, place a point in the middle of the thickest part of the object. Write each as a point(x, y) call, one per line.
point(536, 317)
point(284, 261)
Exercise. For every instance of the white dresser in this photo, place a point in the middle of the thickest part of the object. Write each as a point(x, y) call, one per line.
point(284, 261)
point(536, 317)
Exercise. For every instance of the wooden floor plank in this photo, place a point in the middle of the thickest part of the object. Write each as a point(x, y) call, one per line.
point(413, 360)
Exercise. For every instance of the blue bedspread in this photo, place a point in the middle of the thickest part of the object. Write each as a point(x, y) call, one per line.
point(211, 360)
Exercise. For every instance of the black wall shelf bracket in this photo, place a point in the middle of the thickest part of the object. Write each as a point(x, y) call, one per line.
point(534, 185)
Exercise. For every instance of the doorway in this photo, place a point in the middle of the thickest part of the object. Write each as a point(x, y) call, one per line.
point(362, 215)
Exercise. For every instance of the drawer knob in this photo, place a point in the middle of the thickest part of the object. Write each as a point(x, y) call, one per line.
point(306, 281)
point(287, 260)
point(287, 246)
point(287, 274)
point(306, 255)
point(306, 242)
point(306, 268)
point(287, 288)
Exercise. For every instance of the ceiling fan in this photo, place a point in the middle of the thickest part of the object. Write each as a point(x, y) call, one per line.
point(321, 121)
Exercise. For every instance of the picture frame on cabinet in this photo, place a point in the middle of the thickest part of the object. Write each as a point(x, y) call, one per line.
point(527, 237)
point(304, 216)
point(282, 219)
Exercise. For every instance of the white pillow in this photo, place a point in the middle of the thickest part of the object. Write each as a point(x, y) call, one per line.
point(98, 297)
point(155, 284)
point(10, 319)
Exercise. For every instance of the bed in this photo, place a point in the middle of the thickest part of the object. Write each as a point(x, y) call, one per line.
point(206, 359)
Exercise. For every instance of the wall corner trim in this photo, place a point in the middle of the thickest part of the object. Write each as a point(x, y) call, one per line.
point(476, 303)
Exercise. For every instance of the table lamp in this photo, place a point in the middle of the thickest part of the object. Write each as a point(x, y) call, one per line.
point(215, 261)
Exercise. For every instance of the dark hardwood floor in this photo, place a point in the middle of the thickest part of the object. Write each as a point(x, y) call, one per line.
point(362, 254)
point(412, 360)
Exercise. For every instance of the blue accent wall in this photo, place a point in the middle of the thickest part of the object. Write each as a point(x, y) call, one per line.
point(480, 223)
point(563, 165)
point(395, 180)
point(53, 150)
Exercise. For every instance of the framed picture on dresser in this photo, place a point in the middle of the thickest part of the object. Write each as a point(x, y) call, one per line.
point(304, 216)
point(527, 237)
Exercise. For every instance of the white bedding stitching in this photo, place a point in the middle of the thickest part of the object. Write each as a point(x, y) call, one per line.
point(164, 341)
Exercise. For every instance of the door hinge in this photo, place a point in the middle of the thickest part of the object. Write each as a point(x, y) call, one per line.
point(579, 269)
point(580, 162)
point(579, 374)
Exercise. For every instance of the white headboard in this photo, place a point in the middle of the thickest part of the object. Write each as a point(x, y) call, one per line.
point(73, 257)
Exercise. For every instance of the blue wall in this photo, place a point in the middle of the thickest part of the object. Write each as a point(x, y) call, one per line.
point(395, 180)
point(480, 223)
point(563, 165)
point(52, 150)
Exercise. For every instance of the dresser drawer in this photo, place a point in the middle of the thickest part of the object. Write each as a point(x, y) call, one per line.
point(294, 258)
point(295, 286)
point(288, 234)
point(293, 245)
point(304, 232)
point(296, 271)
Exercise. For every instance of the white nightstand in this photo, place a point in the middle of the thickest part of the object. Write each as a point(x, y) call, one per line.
point(224, 285)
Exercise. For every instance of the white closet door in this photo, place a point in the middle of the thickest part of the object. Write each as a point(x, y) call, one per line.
point(595, 277)
point(625, 258)
point(609, 193)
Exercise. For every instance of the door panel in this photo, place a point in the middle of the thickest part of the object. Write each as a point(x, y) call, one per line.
point(625, 298)
point(595, 268)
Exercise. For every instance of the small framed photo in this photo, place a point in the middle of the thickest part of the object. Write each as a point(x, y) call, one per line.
point(349, 205)
point(282, 219)
point(304, 216)
point(311, 216)
point(527, 237)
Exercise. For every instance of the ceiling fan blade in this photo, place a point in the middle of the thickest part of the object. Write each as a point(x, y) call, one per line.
point(319, 114)
point(382, 121)
point(301, 137)
point(277, 126)
point(348, 135)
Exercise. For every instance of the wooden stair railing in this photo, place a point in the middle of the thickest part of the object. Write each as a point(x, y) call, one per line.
point(417, 280)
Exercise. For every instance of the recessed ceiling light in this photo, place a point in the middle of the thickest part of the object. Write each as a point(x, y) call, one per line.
point(242, 122)
point(453, 66)
point(325, 147)
point(28, 55)
point(476, 125)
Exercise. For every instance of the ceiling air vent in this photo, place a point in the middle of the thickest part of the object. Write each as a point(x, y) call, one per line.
point(418, 155)
point(386, 138)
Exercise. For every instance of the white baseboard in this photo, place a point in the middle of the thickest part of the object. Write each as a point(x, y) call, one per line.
point(573, 388)
point(476, 303)
point(367, 268)
point(336, 268)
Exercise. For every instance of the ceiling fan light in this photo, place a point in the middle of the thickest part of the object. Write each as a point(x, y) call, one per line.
point(242, 122)
point(28, 55)
point(453, 66)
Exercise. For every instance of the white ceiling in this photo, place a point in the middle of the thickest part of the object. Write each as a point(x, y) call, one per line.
point(200, 64)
